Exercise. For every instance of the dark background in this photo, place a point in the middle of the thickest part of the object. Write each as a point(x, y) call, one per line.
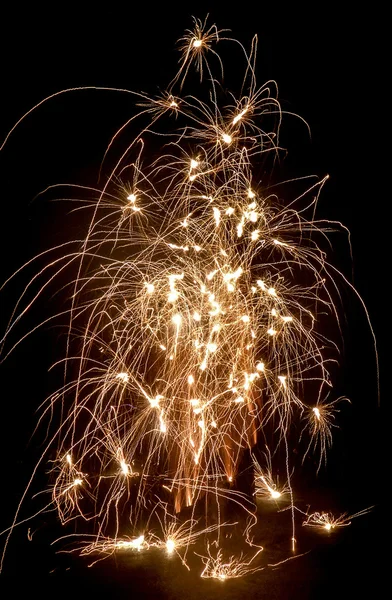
point(329, 66)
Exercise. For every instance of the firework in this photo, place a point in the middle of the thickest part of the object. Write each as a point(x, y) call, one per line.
point(192, 327)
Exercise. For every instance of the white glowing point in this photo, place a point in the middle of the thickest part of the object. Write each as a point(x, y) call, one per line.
point(260, 366)
point(239, 400)
point(275, 494)
point(78, 482)
point(251, 194)
point(194, 163)
point(282, 379)
point(197, 248)
point(240, 228)
point(245, 318)
point(123, 376)
point(150, 288)
point(213, 424)
point(328, 526)
point(137, 543)
point(212, 347)
point(211, 275)
point(287, 319)
point(216, 328)
point(197, 43)
point(177, 319)
point(68, 459)
point(201, 424)
point(196, 316)
point(255, 235)
point(271, 331)
point(195, 402)
point(229, 211)
point(173, 104)
point(253, 216)
point(272, 291)
point(124, 467)
point(132, 199)
point(163, 427)
point(230, 287)
point(227, 138)
point(162, 347)
point(234, 275)
point(203, 366)
point(192, 177)
point(154, 402)
point(191, 379)
point(172, 297)
point(216, 215)
point(170, 545)
point(316, 412)
point(261, 284)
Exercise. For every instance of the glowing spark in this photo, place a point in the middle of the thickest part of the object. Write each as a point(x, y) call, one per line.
point(123, 376)
point(211, 347)
point(177, 319)
point(227, 138)
point(287, 319)
point(216, 215)
point(239, 116)
point(124, 467)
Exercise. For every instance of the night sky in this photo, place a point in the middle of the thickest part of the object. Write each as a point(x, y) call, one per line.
point(329, 68)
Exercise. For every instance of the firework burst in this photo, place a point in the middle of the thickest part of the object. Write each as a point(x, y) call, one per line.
point(192, 326)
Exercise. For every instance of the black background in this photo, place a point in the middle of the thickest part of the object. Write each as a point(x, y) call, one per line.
point(329, 65)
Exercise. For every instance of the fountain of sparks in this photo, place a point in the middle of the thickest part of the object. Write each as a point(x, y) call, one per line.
point(191, 330)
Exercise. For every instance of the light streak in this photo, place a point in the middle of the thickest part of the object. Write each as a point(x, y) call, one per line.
point(328, 522)
point(193, 330)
